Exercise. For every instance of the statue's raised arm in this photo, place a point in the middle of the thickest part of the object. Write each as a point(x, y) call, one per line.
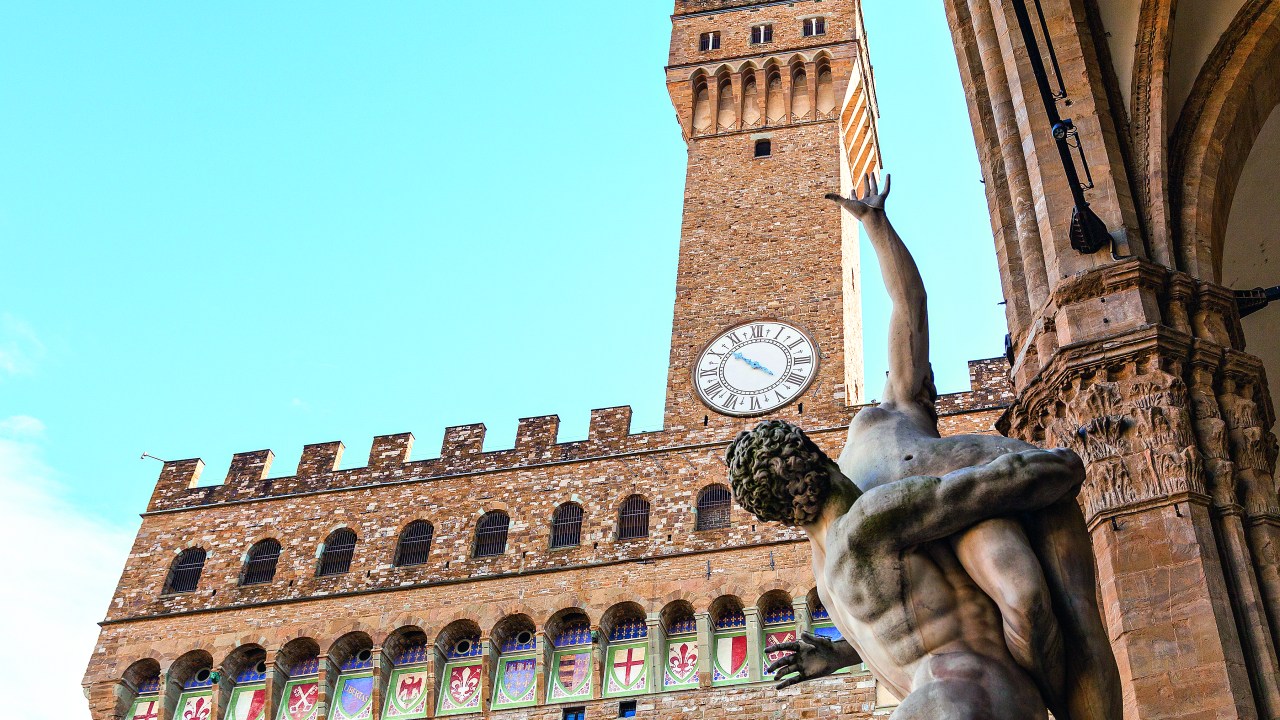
point(910, 376)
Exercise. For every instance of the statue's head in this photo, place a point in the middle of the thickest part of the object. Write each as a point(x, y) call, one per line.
point(779, 474)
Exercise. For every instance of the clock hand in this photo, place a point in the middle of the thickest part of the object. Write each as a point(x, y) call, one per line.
point(752, 363)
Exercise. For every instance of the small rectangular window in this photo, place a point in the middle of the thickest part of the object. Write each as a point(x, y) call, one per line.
point(761, 34)
point(575, 713)
point(627, 708)
point(764, 148)
point(815, 26)
point(709, 41)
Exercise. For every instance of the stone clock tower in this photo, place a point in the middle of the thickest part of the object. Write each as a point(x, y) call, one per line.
point(777, 104)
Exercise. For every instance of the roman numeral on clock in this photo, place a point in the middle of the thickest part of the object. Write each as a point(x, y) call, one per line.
point(795, 379)
point(802, 360)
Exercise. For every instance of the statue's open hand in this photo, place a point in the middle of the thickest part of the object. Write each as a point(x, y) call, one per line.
point(811, 657)
point(872, 202)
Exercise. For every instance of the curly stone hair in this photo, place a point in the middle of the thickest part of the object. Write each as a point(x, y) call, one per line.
point(778, 473)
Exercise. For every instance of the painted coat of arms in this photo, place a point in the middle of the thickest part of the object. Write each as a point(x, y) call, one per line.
point(248, 704)
point(516, 685)
point(774, 638)
point(406, 695)
point(682, 663)
point(730, 658)
point(301, 701)
point(194, 707)
point(462, 689)
point(355, 699)
point(573, 675)
point(626, 669)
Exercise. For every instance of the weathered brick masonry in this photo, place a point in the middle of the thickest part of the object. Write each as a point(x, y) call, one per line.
point(757, 242)
point(675, 563)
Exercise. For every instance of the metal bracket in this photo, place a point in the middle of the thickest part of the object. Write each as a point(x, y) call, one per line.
point(1251, 301)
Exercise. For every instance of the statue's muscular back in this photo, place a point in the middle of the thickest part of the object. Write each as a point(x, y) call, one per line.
point(922, 616)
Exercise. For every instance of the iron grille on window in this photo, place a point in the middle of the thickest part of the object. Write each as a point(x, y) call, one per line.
point(709, 41)
point(491, 534)
point(713, 507)
point(185, 576)
point(338, 549)
point(566, 526)
point(633, 518)
point(260, 567)
point(415, 543)
point(761, 34)
point(815, 26)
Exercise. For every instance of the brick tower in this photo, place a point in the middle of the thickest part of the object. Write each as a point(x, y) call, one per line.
point(598, 578)
point(777, 105)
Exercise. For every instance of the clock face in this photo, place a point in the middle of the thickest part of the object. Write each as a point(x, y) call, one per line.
point(755, 368)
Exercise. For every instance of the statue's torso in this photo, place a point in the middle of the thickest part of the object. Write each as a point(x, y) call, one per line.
point(899, 612)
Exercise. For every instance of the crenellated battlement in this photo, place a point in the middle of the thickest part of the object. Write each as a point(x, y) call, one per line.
point(462, 451)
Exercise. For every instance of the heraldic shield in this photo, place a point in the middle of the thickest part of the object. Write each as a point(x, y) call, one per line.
point(573, 676)
point(626, 670)
point(145, 708)
point(406, 695)
point(301, 700)
point(515, 682)
point(194, 706)
point(730, 659)
point(355, 698)
point(682, 663)
point(776, 637)
point(248, 703)
point(461, 691)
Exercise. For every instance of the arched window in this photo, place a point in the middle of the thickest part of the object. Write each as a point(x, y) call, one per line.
point(727, 111)
point(826, 92)
point(184, 577)
point(338, 549)
point(491, 534)
point(633, 518)
point(260, 566)
point(800, 101)
point(750, 100)
point(714, 503)
point(775, 99)
point(701, 106)
point(566, 526)
point(415, 543)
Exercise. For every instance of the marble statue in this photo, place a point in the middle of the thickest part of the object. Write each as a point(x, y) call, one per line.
point(958, 569)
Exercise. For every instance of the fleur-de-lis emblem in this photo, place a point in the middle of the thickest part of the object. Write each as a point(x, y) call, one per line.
point(200, 711)
point(684, 659)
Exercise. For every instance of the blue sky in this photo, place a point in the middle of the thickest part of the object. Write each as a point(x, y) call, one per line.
point(230, 226)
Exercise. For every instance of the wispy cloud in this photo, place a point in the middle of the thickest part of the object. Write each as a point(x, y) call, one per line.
point(60, 577)
point(20, 348)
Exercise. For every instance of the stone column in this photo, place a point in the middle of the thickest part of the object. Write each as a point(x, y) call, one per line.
point(811, 78)
point(327, 677)
point(804, 621)
point(735, 81)
point(381, 675)
point(275, 682)
point(713, 100)
point(542, 653)
point(656, 651)
point(754, 638)
point(487, 672)
point(598, 646)
point(705, 648)
point(762, 95)
point(435, 678)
